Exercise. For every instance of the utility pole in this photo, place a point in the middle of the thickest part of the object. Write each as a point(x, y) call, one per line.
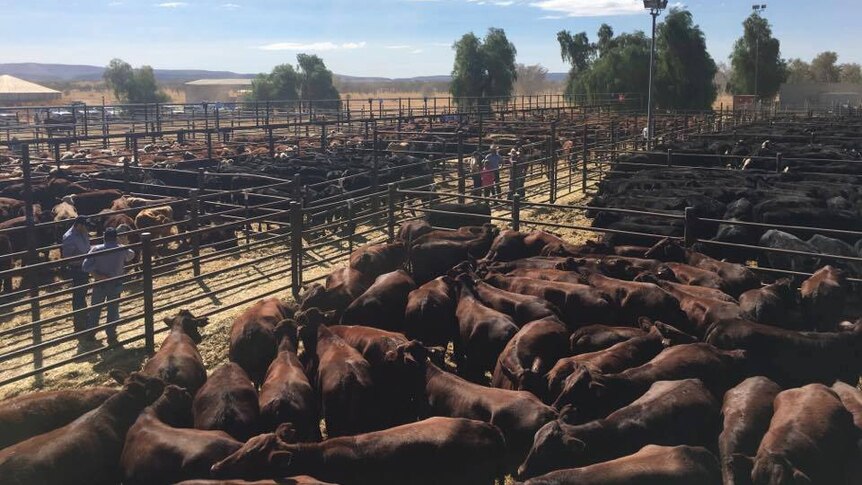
point(655, 7)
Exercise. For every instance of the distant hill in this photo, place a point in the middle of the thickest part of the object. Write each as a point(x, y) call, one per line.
point(36, 72)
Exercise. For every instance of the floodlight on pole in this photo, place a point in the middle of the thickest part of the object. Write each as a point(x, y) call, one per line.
point(655, 7)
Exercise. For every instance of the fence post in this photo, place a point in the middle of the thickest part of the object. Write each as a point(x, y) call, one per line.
point(669, 157)
point(201, 179)
point(516, 212)
point(28, 277)
point(209, 145)
point(295, 248)
point(690, 227)
point(461, 172)
point(390, 224)
point(552, 162)
point(375, 202)
point(351, 224)
point(196, 238)
point(147, 269)
point(584, 155)
point(271, 142)
point(181, 136)
point(247, 227)
point(57, 154)
point(779, 158)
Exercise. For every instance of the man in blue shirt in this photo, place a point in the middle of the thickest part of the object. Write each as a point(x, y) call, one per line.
point(104, 267)
point(76, 242)
point(493, 162)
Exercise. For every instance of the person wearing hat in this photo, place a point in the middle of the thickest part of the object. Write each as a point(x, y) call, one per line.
point(492, 163)
point(476, 172)
point(106, 266)
point(76, 242)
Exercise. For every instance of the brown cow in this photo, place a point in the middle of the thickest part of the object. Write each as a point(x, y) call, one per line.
point(591, 338)
point(652, 465)
point(383, 303)
point(430, 313)
point(691, 275)
point(91, 202)
point(737, 278)
point(228, 402)
point(286, 395)
point(342, 287)
point(774, 304)
point(579, 304)
point(63, 211)
point(851, 397)
point(36, 413)
point(178, 360)
point(88, 449)
point(374, 260)
point(662, 416)
point(794, 358)
point(522, 308)
point(635, 299)
point(410, 231)
point(483, 333)
point(548, 275)
point(824, 295)
point(10, 208)
point(701, 312)
point(253, 343)
point(747, 411)
point(717, 369)
point(342, 377)
point(529, 355)
point(160, 449)
point(297, 480)
point(464, 452)
point(156, 220)
point(565, 378)
point(809, 440)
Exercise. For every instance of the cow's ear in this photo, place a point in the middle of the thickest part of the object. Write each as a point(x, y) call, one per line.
point(281, 460)
point(569, 414)
point(168, 321)
point(391, 356)
point(119, 376)
point(573, 443)
point(286, 433)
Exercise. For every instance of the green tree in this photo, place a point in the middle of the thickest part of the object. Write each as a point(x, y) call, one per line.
point(606, 38)
point(851, 73)
point(133, 85)
point(799, 71)
point(316, 81)
point(483, 68)
point(622, 69)
point(685, 72)
point(280, 84)
point(576, 50)
point(825, 68)
point(771, 69)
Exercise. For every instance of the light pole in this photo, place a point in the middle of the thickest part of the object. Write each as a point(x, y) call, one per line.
point(757, 9)
point(655, 7)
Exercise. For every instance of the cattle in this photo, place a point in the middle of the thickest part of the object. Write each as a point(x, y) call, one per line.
point(568, 374)
point(342, 377)
point(286, 395)
point(10, 208)
point(63, 211)
point(563, 276)
point(383, 303)
point(736, 278)
point(747, 411)
point(159, 448)
point(474, 214)
point(661, 416)
point(793, 358)
point(836, 247)
point(579, 304)
point(253, 343)
point(776, 239)
point(228, 402)
point(691, 275)
point(702, 312)
point(410, 231)
point(89, 203)
point(430, 312)
point(117, 220)
point(509, 245)
point(88, 449)
point(158, 221)
point(342, 287)
point(651, 465)
point(718, 369)
point(374, 260)
point(178, 360)
point(529, 355)
point(36, 413)
point(636, 299)
point(522, 308)
point(471, 451)
point(809, 440)
point(591, 338)
point(482, 333)
point(851, 397)
point(296, 480)
point(823, 297)
point(434, 258)
point(773, 304)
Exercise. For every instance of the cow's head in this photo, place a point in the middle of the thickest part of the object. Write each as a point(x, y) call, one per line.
point(666, 250)
point(553, 448)
point(575, 387)
point(186, 322)
point(775, 468)
point(286, 332)
point(262, 456)
point(314, 296)
point(174, 407)
point(309, 322)
point(785, 288)
point(143, 389)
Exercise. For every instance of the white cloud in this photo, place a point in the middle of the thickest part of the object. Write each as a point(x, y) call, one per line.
point(416, 51)
point(397, 47)
point(114, 4)
point(172, 4)
point(591, 8)
point(230, 6)
point(312, 46)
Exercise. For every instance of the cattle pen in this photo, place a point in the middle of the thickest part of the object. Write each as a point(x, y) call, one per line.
point(242, 234)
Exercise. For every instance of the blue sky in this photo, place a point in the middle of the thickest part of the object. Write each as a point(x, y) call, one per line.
point(393, 38)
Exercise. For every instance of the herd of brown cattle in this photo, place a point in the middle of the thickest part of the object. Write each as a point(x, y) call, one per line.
point(568, 364)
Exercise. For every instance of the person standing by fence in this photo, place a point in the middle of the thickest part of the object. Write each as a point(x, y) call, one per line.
point(516, 183)
point(105, 267)
point(76, 242)
point(493, 162)
point(476, 172)
point(487, 176)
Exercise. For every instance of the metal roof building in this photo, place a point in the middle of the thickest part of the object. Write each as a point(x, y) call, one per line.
point(217, 90)
point(19, 91)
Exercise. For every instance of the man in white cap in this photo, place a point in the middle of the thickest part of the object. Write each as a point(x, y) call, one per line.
point(106, 266)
